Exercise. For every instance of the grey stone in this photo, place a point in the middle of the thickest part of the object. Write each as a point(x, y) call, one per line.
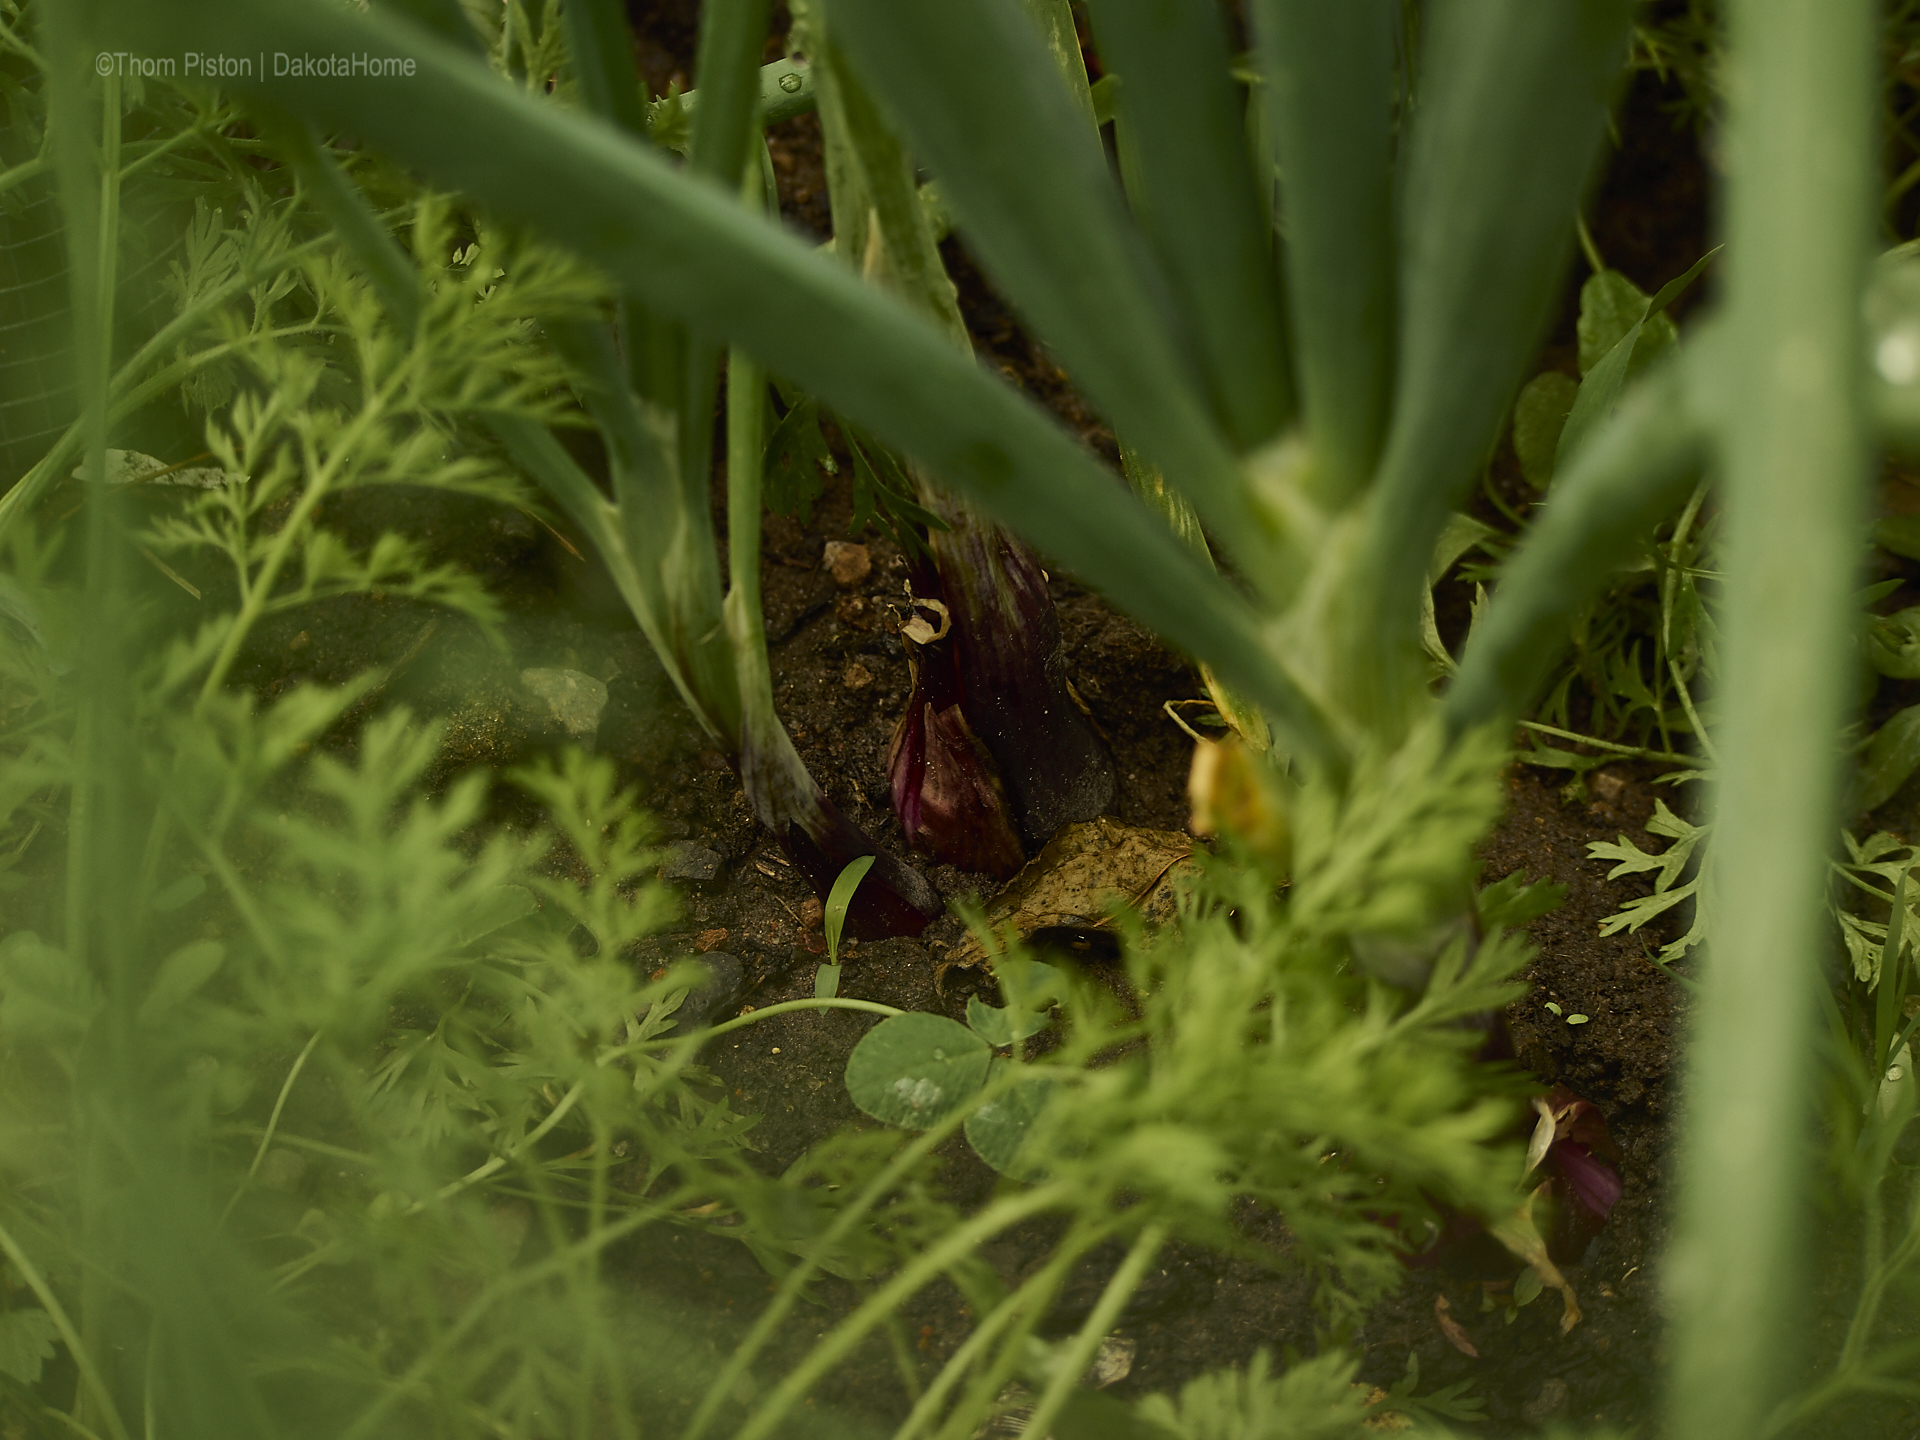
point(687, 861)
point(711, 996)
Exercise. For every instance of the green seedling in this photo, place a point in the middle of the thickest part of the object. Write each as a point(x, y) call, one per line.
point(826, 982)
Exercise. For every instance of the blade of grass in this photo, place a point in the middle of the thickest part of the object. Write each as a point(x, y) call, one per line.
point(981, 100)
point(1800, 207)
point(690, 251)
point(1329, 108)
point(1513, 105)
point(1202, 209)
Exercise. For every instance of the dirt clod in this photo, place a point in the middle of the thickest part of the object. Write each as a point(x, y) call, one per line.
point(848, 562)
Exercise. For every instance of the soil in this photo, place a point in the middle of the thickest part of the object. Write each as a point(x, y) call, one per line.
point(840, 684)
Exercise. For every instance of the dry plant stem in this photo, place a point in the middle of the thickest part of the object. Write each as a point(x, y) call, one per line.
point(1079, 1352)
point(1793, 442)
point(950, 1248)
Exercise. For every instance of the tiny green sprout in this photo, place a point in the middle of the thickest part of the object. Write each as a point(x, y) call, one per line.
point(826, 980)
point(1555, 1008)
point(1578, 1019)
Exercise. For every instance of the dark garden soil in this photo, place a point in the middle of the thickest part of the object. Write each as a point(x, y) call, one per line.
point(841, 682)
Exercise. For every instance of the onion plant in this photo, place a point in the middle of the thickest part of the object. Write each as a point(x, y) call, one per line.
point(1321, 403)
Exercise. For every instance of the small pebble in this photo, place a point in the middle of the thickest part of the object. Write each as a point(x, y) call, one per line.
point(847, 562)
point(690, 862)
point(812, 913)
point(857, 676)
point(856, 611)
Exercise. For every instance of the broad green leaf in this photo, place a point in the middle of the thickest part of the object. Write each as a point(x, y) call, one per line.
point(979, 96)
point(1899, 534)
point(1593, 405)
point(26, 1343)
point(1512, 902)
point(1893, 644)
point(1513, 106)
point(180, 975)
point(1646, 334)
point(1611, 305)
point(1527, 1288)
point(999, 1130)
point(1636, 471)
point(796, 454)
point(1007, 1025)
point(911, 1070)
point(1539, 415)
point(1329, 72)
point(1202, 210)
point(1892, 755)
